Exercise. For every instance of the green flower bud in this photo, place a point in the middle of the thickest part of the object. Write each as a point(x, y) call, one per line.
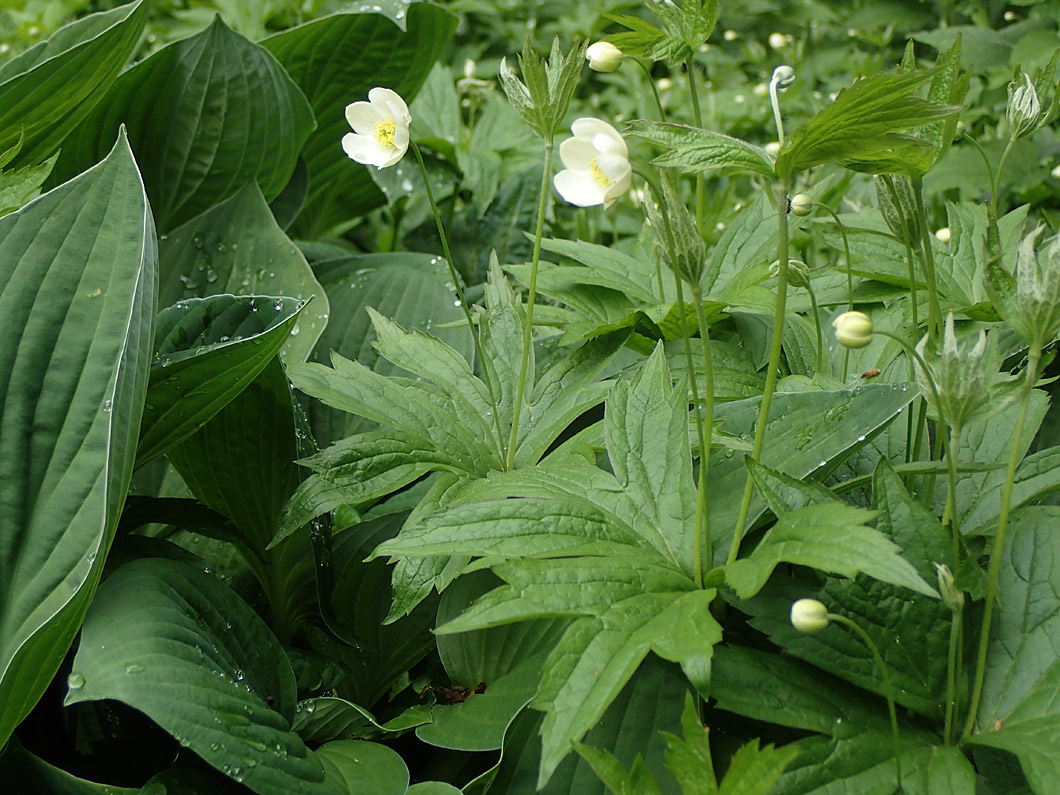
point(959, 131)
point(809, 616)
point(1024, 108)
point(952, 596)
point(798, 272)
point(853, 329)
point(603, 56)
point(801, 204)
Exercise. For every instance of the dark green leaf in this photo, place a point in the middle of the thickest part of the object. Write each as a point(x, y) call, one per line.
point(693, 150)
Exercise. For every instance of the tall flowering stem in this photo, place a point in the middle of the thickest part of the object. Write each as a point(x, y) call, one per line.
point(542, 206)
point(456, 282)
point(780, 189)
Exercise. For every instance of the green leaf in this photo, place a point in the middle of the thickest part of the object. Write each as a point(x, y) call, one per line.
point(207, 350)
point(77, 289)
point(808, 431)
point(694, 150)
point(1020, 710)
point(828, 537)
point(49, 88)
point(18, 187)
point(336, 60)
point(864, 121)
point(236, 247)
point(33, 774)
point(411, 289)
point(222, 111)
point(318, 720)
point(754, 770)
point(177, 644)
point(362, 767)
point(689, 760)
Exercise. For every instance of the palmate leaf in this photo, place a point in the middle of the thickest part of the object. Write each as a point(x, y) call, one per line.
point(77, 291)
point(694, 150)
point(633, 595)
point(864, 122)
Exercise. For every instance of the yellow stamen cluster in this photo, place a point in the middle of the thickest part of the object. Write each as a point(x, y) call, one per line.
point(601, 178)
point(384, 132)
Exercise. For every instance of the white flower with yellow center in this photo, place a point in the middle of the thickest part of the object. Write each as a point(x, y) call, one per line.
point(381, 129)
point(597, 165)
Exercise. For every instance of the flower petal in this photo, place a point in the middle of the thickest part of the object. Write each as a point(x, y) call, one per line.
point(365, 149)
point(600, 134)
point(579, 188)
point(390, 104)
point(576, 153)
point(363, 117)
point(621, 185)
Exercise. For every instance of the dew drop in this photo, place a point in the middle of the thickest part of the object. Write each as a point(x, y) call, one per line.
point(75, 681)
point(134, 668)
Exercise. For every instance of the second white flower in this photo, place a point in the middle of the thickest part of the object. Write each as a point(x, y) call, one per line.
point(596, 162)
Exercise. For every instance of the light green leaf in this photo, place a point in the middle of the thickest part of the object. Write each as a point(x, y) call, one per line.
point(180, 646)
point(222, 111)
point(77, 291)
point(207, 350)
point(18, 187)
point(695, 150)
point(411, 289)
point(336, 60)
point(754, 770)
point(49, 88)
point(236, 247)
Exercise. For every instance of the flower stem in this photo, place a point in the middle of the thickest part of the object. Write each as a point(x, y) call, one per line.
point(542, 205)
point(654, 88)
point(706, 427)
point(457, 286)
point(690, 68)
point(886, 686)
point(850, 277)
point(950, 513)
point(934, 313)
point(780, 190)
point(951, 676)
point(999, 540)
point(817, 323)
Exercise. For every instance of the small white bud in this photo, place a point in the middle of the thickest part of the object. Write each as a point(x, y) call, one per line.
point(952, 596)
point(783, 76)
point(943, 235)
point(778, 41)
point(801, 204)
point(959, 131)
point(469, 69)
point(761, 90)
point(809, 615)
point(1056, 171)
point(730, 35)
point(664, 84)
point(773, 147)
point(603, 56)
point(853, 329)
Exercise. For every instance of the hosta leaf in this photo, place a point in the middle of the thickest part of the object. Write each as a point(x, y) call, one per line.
point(77, 291)
point(19, 186)
point(336, 60)
point(207, 350)
point(364, 768)
point(222, 111)
point(178, 645)
point(33, 774)
point(319, 720)
point(49, 88)
point(694, 150)
point(236, 247)
point(1020, 710)
point(828, 537)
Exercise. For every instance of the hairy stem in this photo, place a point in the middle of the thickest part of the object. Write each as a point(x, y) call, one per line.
point(706, 427)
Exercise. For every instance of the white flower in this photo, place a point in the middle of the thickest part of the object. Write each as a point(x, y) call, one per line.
point(381, 129)
point(809, 615)
point(597, 165)
point(603, 56)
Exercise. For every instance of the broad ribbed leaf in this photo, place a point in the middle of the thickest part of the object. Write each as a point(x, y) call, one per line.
point(236, 247)
point(355, 766)
point(336, 60)
point(205, 114)
point(77, 293)
point(694, 150)
point(177, 644)
point(207, 351)
point(34, 774)
point(48, 89)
